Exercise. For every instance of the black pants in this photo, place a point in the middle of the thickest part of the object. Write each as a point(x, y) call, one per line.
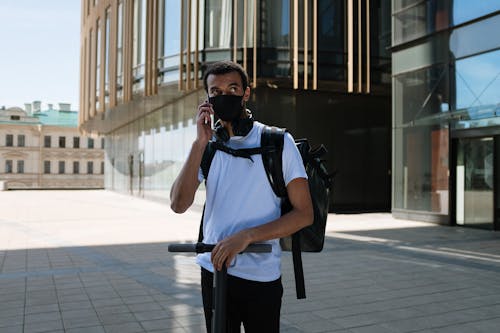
point(255, 304)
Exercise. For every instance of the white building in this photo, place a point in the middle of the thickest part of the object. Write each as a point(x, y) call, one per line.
point(45, 150)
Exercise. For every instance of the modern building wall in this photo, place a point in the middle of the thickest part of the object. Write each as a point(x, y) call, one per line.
point(321, 68)
point(446, 83)
point(44, 154)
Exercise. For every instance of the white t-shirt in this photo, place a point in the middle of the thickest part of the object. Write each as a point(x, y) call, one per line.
point(239, 196)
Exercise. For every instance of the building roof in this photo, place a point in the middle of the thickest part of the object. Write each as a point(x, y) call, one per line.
point(17, 116)
point(58, 118)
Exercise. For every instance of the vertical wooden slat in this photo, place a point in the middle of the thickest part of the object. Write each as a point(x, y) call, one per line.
point(350, 46)
point(181, 53)
point(360, 48)
point(368, 52)
point(255, 44)
point(306, 44)
point(188, 48)
point(196, 48)
point(295, 44)
point(235, 30)
point(245, 23)
point(315, 44)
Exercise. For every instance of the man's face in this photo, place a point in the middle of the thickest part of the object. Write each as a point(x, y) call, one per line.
point(227, 84)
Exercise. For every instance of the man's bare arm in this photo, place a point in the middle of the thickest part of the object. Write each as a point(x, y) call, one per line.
point(299, 217)
point(185, 185)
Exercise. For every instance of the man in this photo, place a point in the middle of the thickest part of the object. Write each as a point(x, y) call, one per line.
point(241, 207)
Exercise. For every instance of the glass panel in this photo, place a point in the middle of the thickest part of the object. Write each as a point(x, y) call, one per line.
point(9, 140)
point(219, 20)
point(20, 166)
point(420, 20)
point(469, 40)
point(477, 86)
point(20, 140)
point(8, 166)
point(422, 93)
point(98, 65)
point(466, 10)
point(119, 54)
point(169, 40)
point(106, 56)
point(331, 52)
point(274, 56)
point(475, 182)
point(398, 4)
point(139, 44)
point(422, 171)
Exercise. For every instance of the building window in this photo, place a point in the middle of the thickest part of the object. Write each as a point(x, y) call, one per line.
point(90, 167)
point(20, 166)
point(47, 141)
point(46, 167)
point(62, 142)
point(15, 117)
point(76, 167)
point(119, 54)
point(20, 140)
point(169, 40)
point(102, 143)
point(62, 166)
point(76, 142)
point(102, 168)
point(8, 166)
point(9, 140)
point(106, 55)
point(98, 66)
point(139, 44)
point(90, 143)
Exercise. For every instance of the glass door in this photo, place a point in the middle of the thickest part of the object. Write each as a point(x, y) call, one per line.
point(474, 182)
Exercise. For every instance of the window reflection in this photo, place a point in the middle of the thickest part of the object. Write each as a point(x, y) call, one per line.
point(169, 40)
point(423, 93)
point(274, 57)
point(119, 54)
point(219, 14)
point(139, 44)
point(466, 10)
point(477, 85)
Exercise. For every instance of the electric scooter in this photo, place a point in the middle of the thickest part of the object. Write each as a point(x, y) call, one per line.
point(220, 279)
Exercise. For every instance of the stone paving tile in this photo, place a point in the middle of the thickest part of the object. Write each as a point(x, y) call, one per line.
point(11, 321)
point(124, 328)
point(42, 317)
point(13, 329)
point(356, 284)
point(93, 329)
point(47, 326)
point(161, 324)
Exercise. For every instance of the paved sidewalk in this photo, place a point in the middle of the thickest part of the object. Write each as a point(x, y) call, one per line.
point(97, 261)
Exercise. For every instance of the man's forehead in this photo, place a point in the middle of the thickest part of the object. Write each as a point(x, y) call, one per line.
point(231, 78)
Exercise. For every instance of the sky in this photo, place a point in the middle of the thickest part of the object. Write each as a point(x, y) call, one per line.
point(39, 52)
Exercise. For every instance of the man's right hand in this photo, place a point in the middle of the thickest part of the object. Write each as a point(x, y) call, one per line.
point(204, 123)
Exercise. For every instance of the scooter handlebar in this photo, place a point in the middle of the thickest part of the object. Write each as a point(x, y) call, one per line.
point(202, 248)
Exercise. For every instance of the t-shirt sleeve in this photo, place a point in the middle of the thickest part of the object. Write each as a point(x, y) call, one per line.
point(200, 175)
point(293, 167)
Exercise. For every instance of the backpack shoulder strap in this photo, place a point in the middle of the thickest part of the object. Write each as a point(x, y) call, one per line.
point(272, 140)
point(206, 160)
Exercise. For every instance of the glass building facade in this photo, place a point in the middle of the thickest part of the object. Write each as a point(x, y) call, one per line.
point(321, 68)
point(446, 104)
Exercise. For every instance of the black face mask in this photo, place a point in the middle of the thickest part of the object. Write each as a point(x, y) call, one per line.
point(227, 107)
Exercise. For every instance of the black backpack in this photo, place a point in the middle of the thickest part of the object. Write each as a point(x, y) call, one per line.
point(310, 238)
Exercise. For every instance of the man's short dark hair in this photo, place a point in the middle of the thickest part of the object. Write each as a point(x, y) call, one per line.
point(224, 67)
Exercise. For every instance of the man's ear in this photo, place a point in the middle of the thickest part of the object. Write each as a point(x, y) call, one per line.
point(246, 95)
